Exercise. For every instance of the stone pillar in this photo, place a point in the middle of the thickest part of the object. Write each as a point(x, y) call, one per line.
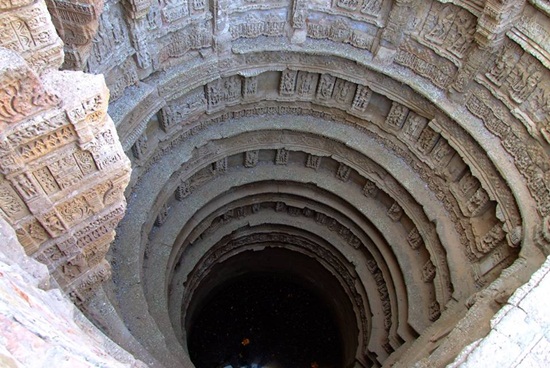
point(62, 171)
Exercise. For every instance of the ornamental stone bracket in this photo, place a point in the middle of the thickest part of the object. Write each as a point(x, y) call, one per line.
point(62, 171)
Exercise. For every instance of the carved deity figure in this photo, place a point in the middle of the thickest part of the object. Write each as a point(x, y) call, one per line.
point(414, 238)
point(442, 152)
point(305, 83)
point(214, 94)
point(370, 189)
point(397, 115)
point(371, 7)
point(232, 88)
point(343, 89)
point(427, 140)
point(26, 186)
point(462, 33)
point(523, 81)
point(287, 82)
point(250, 86)
point(326, 86)
point(362, 98)
point(251, 158)
point(281, 157)
point(395, 212)
point(414, 126)
point(53, 224)
point(504, 64)
point(442, 25)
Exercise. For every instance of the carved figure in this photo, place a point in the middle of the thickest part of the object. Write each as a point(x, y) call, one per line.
point(523, 81)
point(251, 158)
point(371, 7)
point(326, 85)
point(397, 115)
point(288, 80)
point(443, 23)
point(362, 98)
point(462, 33)
point(281, 158)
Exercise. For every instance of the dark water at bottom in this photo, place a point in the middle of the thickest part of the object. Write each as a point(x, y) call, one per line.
point(265, 320)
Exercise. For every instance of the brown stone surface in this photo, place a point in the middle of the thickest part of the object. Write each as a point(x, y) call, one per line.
point(63, 172)
point(402, 144)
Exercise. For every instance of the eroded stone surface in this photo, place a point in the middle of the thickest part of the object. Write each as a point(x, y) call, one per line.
point(41, 326)
point(63, 172)
point(422, 127)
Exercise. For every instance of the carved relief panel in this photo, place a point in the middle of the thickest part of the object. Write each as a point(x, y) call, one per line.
point(252, 26)
point(449, 29)
point(26, 29)
point(110, 45)
point(195, 36)
point(373, 10)
point(340, 31)
point(522, 83)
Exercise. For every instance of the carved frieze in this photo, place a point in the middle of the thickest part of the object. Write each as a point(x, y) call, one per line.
point(110, 44)
point(521, 82)
point(426, 63)
point(195, 36)
point(253, 26)
point(222, 92)
point(340, 31)
point(449, 29)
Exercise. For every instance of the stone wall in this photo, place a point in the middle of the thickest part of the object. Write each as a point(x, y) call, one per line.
point(424, 122)
point(62, 168)
point(39, 325)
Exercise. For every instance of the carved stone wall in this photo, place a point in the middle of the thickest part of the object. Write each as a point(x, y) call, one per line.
point(413, 135)
point(39, 325)
point(63, 171)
